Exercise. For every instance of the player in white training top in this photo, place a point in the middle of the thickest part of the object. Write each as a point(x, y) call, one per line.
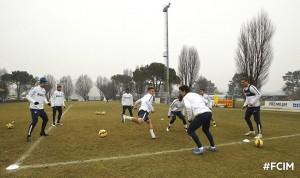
point(144, 111)
point(57, 104)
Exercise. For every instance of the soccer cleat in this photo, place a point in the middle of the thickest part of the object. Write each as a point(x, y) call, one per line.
point(59, 123)
point(250, 133)
point(168, 129)
point(258, 136)
point(198, 151)
point(53, 125)
point(214, 123)
point(28, 138)
point(212, 149)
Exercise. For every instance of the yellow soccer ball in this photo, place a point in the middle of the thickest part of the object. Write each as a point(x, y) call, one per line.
point(102, 133)
point(258, 143)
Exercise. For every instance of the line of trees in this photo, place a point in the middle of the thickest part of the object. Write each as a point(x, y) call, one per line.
point(22, 81)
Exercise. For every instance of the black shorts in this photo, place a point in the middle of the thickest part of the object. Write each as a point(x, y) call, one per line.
point(144, 115)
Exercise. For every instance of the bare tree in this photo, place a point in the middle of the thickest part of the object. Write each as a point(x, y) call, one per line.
point(254, 54)
point(100, 82)
point(68, 87)
point(2, 71)
point(51, 85)
point(189, 66)
point(106, 88)
point(3, 85)
point(83, 86)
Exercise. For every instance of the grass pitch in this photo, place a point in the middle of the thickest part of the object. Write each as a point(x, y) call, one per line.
point(128, 150)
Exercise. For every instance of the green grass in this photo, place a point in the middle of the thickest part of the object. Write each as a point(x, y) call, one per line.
point(78, 140)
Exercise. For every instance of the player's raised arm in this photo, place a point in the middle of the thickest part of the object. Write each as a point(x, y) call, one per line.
point(149, 103)
point(257, 97)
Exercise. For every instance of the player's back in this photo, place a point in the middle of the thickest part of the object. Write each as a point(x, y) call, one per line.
point(196, 103)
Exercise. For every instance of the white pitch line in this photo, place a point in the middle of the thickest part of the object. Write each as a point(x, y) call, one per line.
point(136, 155)
point(36, 143)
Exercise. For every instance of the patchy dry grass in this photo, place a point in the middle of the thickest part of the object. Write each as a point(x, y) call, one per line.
point(77, 139)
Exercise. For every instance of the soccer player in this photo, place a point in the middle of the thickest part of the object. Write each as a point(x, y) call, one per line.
point(198, 115)
point(57, 104)
point(127, 102)
point(208, 103)
point(176, 109)
point(253, 107)
point(37, 99)
point(144, 111)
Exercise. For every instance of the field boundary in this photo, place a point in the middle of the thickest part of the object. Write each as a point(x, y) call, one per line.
point(46, 165)
point(36, 143)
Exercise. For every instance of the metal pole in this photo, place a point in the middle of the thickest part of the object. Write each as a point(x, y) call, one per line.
point(167, 48)
point(167, 52)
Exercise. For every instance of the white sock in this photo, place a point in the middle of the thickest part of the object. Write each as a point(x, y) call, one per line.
point(185, 126)
point(152, 133)
point(127, 117)
point(201, 148)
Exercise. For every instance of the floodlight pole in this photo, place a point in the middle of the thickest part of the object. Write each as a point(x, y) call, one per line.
point(166, 55)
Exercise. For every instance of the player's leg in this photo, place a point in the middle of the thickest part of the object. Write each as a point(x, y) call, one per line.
point(206, 118)
point(173, 118)
point(130, 110)
point(195, 124)
point(248, 115)
point(256, 114)
point(139, 120)
point(44, 117)
point(34, 119)
point(59, 108)
point(181, 116)
point(149, 122)
point(54, 116)
point(124, 108)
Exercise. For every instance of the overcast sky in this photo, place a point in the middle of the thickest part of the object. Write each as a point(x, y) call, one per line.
point(97, 37)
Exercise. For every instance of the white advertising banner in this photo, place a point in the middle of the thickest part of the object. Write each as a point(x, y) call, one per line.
point(292, 105)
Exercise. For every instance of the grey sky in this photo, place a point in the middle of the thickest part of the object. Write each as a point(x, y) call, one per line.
point(71, 37)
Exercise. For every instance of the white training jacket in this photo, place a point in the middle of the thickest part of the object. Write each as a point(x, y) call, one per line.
point(127, 99)
point(252, 96)
point(37, 94)
point(176, 106)
point(57, 99)
point(146, 103)
point(195, 105)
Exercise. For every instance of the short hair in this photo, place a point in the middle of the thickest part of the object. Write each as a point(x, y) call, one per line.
point(245, 77)
point(127, 89)
point(59, 86)
point(184, 88)
point(150, 88)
